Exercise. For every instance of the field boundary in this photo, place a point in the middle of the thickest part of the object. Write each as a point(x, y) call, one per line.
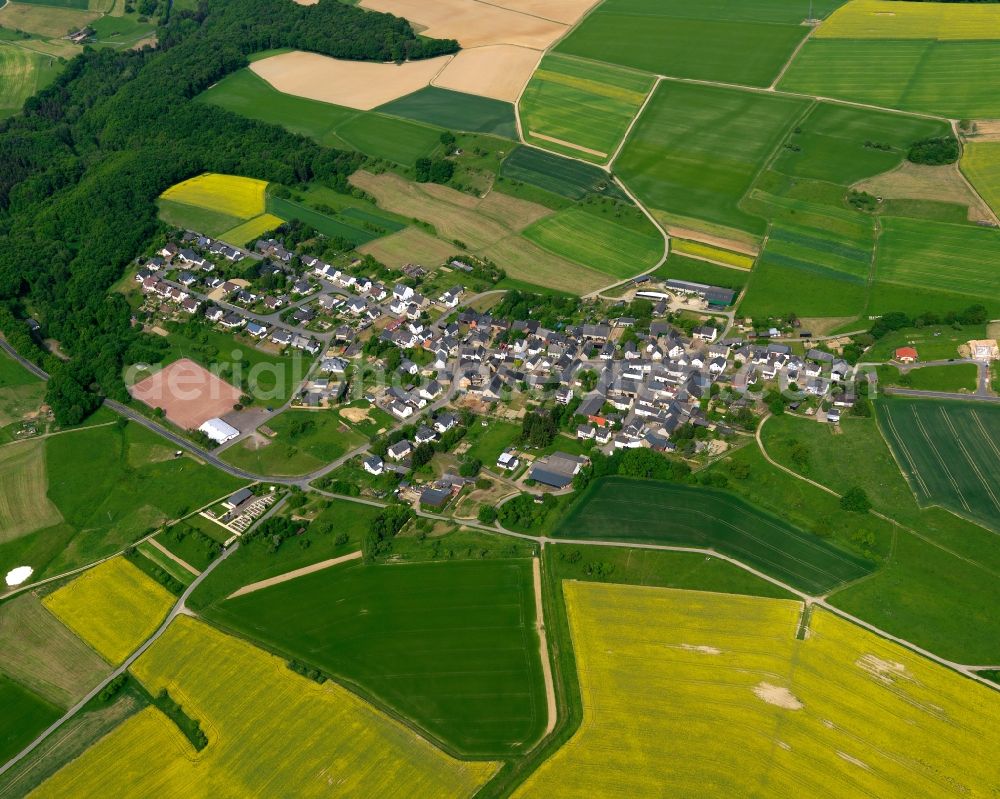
point(291, 575)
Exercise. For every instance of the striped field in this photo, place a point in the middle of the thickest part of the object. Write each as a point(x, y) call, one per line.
point(687, 693)
point(948, 452)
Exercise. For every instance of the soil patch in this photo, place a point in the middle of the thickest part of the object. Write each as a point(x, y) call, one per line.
point(776, 695)
point(355, 415)
point(188, 393)
point(911, 181)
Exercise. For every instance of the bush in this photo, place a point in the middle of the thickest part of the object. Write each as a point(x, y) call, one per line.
point(487, 514)
point(934, 151)
point(856, 500)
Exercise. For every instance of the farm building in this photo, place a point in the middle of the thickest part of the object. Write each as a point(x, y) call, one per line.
point(218, 430)
point(713, 295)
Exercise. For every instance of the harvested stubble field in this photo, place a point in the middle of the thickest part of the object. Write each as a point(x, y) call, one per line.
point(410, 246)
point(696, 150)
point(751, 710)
point(43, 654)
point(355, 84)
point(948, 452)
point(187, 392)
point(257, 713)
point(944, 184)
point(667, 513)
point(475, 24)
point(114, 607)
point(581, 108)
point(450, 646)
point(45, 20)
point(498, 71)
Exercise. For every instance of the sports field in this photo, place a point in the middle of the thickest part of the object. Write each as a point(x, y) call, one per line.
point(599, 242)
point(39, 651)
point(696, 150)
point(450, 646)
point(22, 74)
point(304, 441)
point(646, 511)
point(258, 716)
point(114, 607)
point(981, 165)
point(955, 261)
point(948, 452)
point(911, 74)
point(455, 111)
point(562, 176)
point(700, 694)
point(187, 393)
point(580, 107)
point(731, 42)
point(882, 19)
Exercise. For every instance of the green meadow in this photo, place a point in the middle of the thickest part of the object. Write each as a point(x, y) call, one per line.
point(582, 103)
point(450, 646)
point(683, 268)
point(25, 715)
point(23, 73)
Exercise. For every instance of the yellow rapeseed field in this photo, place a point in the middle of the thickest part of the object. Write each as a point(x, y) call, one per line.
point(270, 733)
point(981, 165)
point(227, 194)
point(688, 693)
point(708, 252)
point(114, 607)
point(251, 230)
point(887, 19)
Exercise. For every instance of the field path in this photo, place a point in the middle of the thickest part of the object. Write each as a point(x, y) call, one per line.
point(543, 650)
point(175, 558)
point(284, 578)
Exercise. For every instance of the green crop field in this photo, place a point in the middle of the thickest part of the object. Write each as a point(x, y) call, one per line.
point(731, 42)
point(585, 106)
point(599, 242)
point(683, 268)
point(109, 484)
point(981, 165)
point(324, 223)
point(955, 262)
point(305, 441)
point(666, 513)
point(25, 714)
point(372, 133)
point(948, 452)
point(22, 74)
point(456, 111)
point(844, 145)
point(696, 150)
point(915, 75)
point(451, 646)
point(558, 175)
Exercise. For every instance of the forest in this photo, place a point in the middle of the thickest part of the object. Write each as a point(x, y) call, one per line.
point(82, 166)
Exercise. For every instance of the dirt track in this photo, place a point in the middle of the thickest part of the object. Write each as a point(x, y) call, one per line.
point(284, 578)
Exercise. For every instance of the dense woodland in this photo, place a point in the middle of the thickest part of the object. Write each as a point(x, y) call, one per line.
point(81, 168)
